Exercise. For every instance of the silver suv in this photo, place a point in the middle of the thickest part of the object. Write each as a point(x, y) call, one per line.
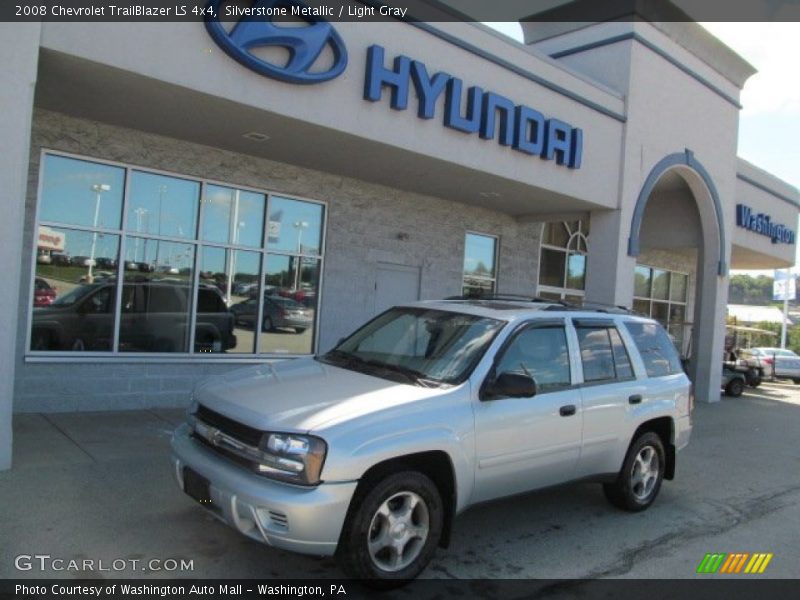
point(369, 451)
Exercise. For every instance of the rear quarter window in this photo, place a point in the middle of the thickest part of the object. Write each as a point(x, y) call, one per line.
point(657, 351)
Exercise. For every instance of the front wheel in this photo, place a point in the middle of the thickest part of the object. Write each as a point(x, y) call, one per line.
point(735, 388)
point(392, 534)
point(640, 478)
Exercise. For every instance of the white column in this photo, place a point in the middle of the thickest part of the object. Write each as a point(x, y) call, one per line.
point(609, 269)
point(17, 80)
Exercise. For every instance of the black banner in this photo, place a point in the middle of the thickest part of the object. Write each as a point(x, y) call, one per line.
point(406, 10)
point(738, 588)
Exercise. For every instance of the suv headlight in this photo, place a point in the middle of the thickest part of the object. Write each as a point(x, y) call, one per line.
point(292, 457)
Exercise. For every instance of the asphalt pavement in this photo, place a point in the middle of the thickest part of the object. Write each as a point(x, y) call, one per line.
point(98, 486)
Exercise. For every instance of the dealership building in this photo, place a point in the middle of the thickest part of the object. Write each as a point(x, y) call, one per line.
point(258, 208)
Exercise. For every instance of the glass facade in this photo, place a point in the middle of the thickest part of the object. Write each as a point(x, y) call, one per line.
point(205, 268)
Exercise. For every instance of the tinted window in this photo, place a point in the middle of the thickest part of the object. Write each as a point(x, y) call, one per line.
point(656, 349)
point(541, 353)
point(622, 362)
point(596, 354)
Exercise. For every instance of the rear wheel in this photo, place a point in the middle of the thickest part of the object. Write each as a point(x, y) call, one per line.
point(796, 381)
point(299, 329)
point(735, 388)
point(639, 480)
point(268, 326)
point(392, 534)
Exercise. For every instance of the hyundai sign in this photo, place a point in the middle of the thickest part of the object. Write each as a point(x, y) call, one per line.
point(476, 111)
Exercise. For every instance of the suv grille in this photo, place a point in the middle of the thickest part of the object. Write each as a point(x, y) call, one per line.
point(239, 431)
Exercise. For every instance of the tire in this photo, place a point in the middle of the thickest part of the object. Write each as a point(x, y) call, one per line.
point(376, 528)
point(735, 388)
point(299, 330)
point(755, 382)
point(268, 326)
point(78, 345)
point(630, 492)
point(796, 381)
point(41, 340)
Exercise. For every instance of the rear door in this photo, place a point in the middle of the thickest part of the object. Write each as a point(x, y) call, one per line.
point(608, 391)
point(528, 443)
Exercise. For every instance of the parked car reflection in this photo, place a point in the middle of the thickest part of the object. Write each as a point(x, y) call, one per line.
point(279, 313)
point(154, 318)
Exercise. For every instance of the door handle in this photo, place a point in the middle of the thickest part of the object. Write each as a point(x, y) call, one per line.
point(635, 399)
point(567, 411)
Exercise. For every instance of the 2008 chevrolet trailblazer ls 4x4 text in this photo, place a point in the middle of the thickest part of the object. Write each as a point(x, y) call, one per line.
point(369, 451)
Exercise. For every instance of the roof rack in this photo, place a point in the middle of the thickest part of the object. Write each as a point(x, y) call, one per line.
point(597, 307)
point(509, 298)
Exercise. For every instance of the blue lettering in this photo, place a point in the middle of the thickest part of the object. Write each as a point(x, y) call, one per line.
point(428, 89)
point(452, 107)
point(528, 130)
point(492, 104)
point(557, 142)
point(577, 149)
point(763, 225)
point(379, 76)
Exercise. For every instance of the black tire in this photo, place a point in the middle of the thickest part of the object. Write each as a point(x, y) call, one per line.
point(268, 326)
point(41, 340)
point(754, 382)
point(796, 381)
point(623, 493)
point(735, 388)
point(364, 521)
point(299, 330)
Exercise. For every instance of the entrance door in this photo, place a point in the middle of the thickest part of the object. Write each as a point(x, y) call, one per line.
point(395, 284)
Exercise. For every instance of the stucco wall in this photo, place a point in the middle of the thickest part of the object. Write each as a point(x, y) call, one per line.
point(363, 225)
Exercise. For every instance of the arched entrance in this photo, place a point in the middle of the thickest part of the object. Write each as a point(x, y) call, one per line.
point(678, 233)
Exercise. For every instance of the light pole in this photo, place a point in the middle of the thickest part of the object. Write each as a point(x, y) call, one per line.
point(300, 226)
point(140, 212)
point(98, 189)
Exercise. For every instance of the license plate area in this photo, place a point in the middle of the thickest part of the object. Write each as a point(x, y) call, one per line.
point(196, 486)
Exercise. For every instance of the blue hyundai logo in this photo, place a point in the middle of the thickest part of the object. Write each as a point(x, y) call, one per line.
point(257, 29)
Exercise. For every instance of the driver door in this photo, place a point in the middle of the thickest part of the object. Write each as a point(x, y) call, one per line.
point(528, 443)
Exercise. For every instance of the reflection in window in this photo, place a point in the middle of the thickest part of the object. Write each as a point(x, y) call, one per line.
point(255, 258)
point(562, 264)
point(74, 290)
point(227, 278)
point(163, 206)
point(662, 295)
point(480, 271)
point(541, 353)
point(294, 226)
point(290, 304)
point(603, 354)
point(78, 192)
point(233, 216)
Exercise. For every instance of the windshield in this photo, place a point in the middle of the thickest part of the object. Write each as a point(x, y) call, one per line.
point(423, 346)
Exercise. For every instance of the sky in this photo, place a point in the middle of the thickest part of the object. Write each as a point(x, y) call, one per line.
point(769, 123)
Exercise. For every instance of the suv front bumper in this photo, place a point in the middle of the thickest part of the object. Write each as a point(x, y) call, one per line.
point(300, 519)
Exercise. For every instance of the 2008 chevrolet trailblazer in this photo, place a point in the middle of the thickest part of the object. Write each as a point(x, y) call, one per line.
point(369, 451)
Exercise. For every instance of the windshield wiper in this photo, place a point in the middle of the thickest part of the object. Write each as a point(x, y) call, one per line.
point(348, 359)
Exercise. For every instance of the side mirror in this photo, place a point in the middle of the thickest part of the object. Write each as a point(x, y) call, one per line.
point(511, 385)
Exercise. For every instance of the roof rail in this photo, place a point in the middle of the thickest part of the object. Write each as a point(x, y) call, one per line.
point(509, 298)
point(598, 307)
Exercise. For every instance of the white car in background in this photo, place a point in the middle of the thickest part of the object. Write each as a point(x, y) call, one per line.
point(785, 362)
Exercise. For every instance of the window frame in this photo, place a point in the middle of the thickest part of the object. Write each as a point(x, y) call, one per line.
point(496, 268)
point(196, 241)
point(584, 323)
point(669, 303)
point(557, 322)
point(582, 233)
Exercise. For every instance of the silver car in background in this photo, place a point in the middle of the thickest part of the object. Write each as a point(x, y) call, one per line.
point(777, 362)
point(369, 451)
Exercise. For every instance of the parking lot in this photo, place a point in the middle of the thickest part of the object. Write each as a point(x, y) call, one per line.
point(99, 486)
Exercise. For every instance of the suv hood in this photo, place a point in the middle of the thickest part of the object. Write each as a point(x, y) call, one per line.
point(301, 395)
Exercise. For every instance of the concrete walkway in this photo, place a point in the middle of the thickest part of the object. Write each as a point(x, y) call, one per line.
point(98, 486)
